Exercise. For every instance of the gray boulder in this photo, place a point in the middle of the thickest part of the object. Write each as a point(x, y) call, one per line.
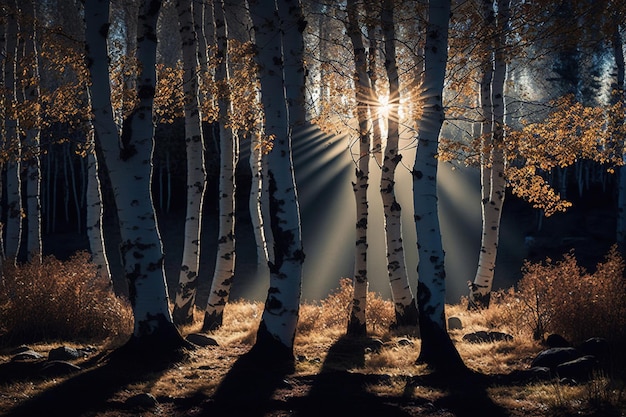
point(27, 355)
point(551, 358)
point(487, 337)
point(59, 368)
point(579, 370)
point(64, 353)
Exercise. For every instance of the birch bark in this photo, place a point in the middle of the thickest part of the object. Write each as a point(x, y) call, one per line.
point(618, 96)
point(224, 273)
point(356, 323)
point(277, 329)
point(492, 165)
point(404, 302)
point(437, 349)
point(32, 127)
point(13, 185)
point(128, 161)
point(196, 176)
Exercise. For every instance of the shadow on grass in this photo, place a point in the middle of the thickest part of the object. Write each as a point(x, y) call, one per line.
point(336, 391)
point(465, 395)
point(91, 390)
point(247, 389)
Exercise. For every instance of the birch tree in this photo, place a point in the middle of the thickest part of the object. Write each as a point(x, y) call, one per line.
point(196, 176)
point(13, 226)
point(127, 158)
point(618, 97)
point(437, 349)
point(277, 329)
point(224, 272)
point(492, 167)
point(356, 323)
point(28, 98)
point(403, 299)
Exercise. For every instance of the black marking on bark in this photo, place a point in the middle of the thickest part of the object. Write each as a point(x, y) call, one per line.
point(127, 148)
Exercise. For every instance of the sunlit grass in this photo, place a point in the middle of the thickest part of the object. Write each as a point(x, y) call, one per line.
point(393, 366)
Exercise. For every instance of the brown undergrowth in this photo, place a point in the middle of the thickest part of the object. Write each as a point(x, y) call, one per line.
point(334, 375)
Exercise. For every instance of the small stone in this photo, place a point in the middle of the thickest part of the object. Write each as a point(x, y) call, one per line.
point(63, 353)
point(405, 342)
point(144, 400)
point(59, 368)
point(28, 355)
point(454, 323)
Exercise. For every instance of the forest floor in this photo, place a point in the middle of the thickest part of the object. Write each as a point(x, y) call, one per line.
point(334, 376)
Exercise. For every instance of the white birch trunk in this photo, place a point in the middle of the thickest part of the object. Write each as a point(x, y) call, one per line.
point(258, 204)
point(33, 130)
point(129, 164)
point(196, 176)
point(224, 272)
point(374, 109)
point(437, 349)
point(493, 197)
point(94, 209)
point(404, 302)
point(293, 25)
point(618, 53)
point(357, 323)
point(13, 226)
point(277, 329)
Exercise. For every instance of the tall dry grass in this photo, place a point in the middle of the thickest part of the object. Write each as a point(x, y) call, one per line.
point(49, 299)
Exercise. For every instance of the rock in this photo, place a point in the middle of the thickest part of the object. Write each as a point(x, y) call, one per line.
point(405, 342)
point(580, 369)
point(374, 345)
point(596, 346)
point(539, 373)
point(201, 340)
point(28, 355)
point(487, 337)
point(63, 353)
point(551, 358)
point(556, 340)
point(20, 349)
point(454, 323)
point(59, 368)
point(144, 400)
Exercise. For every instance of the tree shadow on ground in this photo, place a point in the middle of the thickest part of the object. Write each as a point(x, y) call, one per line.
point(91, 390)
point(337, 391)
point(465, 394)
point(247, 389)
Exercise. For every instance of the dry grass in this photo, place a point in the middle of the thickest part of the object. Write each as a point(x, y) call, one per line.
point(390, 372)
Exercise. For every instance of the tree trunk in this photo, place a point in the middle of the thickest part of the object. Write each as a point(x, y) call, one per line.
point(224, 273)
point(404, 302)
point(618, 97)
point(13, 226)
point(196, 176)
point(476, 298)
point(357, 323)
point(94, 209)
point(277, 329)
point(32, 127)
point(437, 349)
point(128, 162)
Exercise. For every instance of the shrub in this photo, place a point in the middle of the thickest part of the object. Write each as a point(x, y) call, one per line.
point(336, 308)
point(562, 297)
point(53, 300)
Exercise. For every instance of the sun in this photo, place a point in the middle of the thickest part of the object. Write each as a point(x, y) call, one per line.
point(383, 106)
